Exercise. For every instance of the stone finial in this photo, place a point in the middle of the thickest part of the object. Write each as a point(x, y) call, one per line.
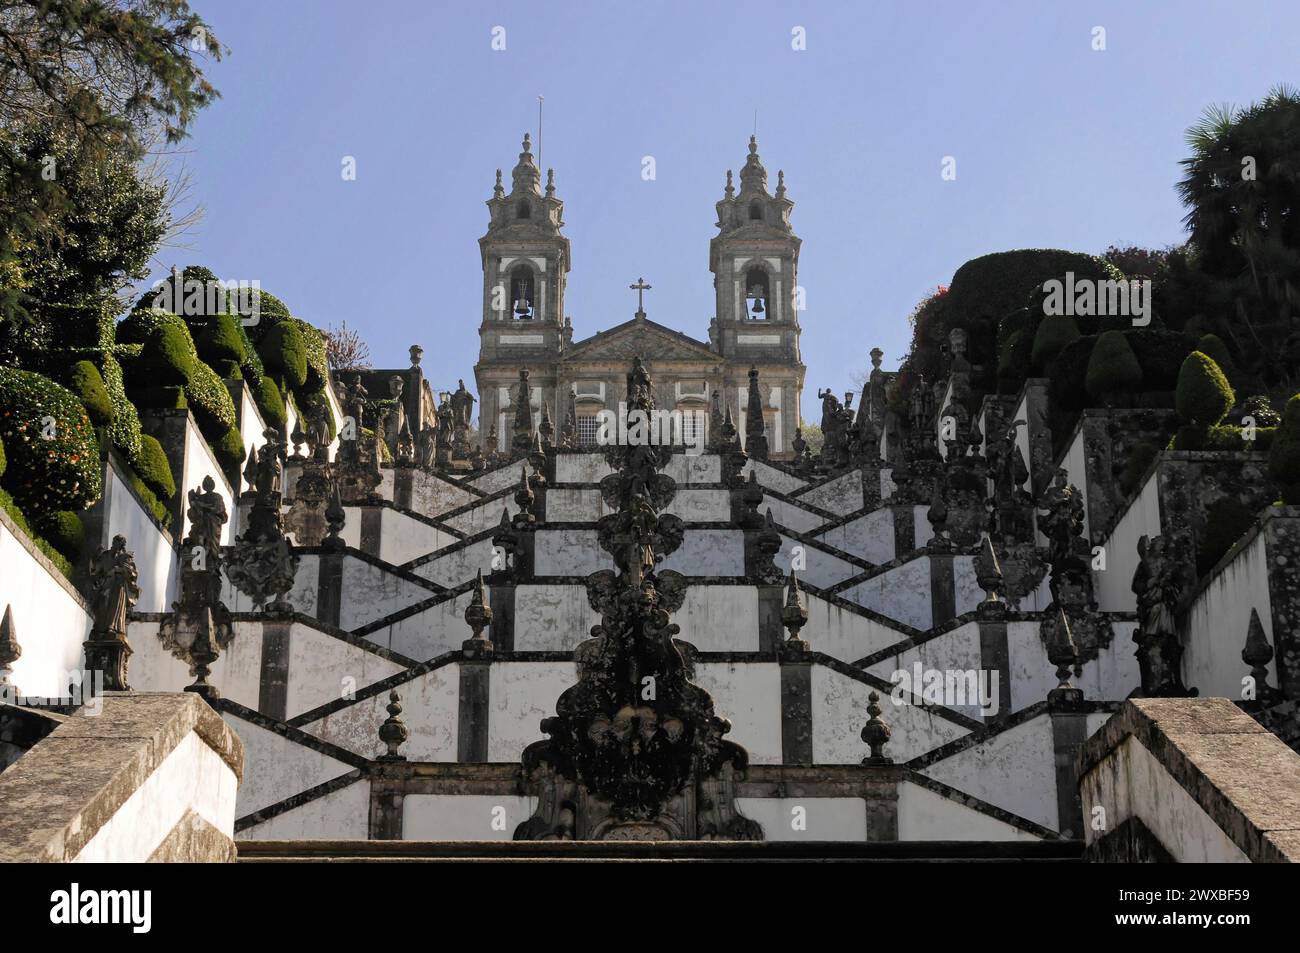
point(546, 429)
point(988, 574)
point(498, 190)
point(335, 518)
point(550, 183)
point(877, 356)
point(393, 732)
point(1064, 654)
point(1257, 654)
point(10, 650)
point(299, 439)
point(525, 497)
point(780, 183)
point(416, 353)
point(794, 615)
point(876, 733)
point(755, 427)
point(478, 616)
point(731, 188)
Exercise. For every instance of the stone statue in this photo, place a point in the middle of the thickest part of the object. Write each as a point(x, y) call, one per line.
point(207, 514)
point(113, 580)
point(318, 434)
point(269, 464)
point(426, 447)
point(1158, 585)
point(462, 405)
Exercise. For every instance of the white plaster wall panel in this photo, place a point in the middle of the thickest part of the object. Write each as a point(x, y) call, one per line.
point(967, 593)
point(821, 569)
point(870, 537)
point(192, 777)
point(720, 618)
point(1032, 676)
point(844, 634)
point(1131, 782)
point(790, 515)
point(155, 559)
point(957, 650)
point(306, 583)
point(1096, 720)
point(552, 618)
point(251, 427)
point(901, 593)
point(402, 539)
point(709, 552)
point(323, 668)
point(1014, 770)
point(839, 705)
point(1218, 620)
point(340, 815)
point(842, 495)
point(578, 468)
point(822, 818)
point(773, 478)
point(887, 484)
point(1114, 673)
point(458, 565)
point(237, 674)
point(748, 694)
point(200, 463)
point(1022, 437)
point(432, 496)
point(924, 815)
point(484, 516)
point(922, 531)
point(574, 505)
point(387, 480)
point(497, 480)
point(701, 506)
point(429, 709)
point(428, 633)
point(351, 532)
point(1142, 518)
point(371, 592)
point(520, 695)
point(1075, 465)
point(686, 468)
point(49, 623)
point(569, 552)
point(458, 817)
point(276, 768)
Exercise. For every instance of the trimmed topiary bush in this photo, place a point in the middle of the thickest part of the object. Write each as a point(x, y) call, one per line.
point(1113, 367)
point(221, 346)
point(208, 397)
point(270, 402)
point(153, 468)
point(284, 354)
point(1054, 333)
point(317, 357)
point(65, 532)
point(167, 358)
point(1226, 521)
point(2, 459)
point(85, 381)
point(53, 555)
point(1284, 455)
point(1203, 395)
point(147, 497)
point(229, 449)
point(1212, 346)
point(50, 442)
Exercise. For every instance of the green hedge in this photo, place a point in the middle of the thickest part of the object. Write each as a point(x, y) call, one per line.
point(270, 402)
point(16, 514)
point(221, 345)
point(85, 381)
point(1204, 395)
point(284, 354)
point(317, 357)
point(167, 358)
point(1054, 333)
point(210, 400)
point(46, 475)
point(3, 461)
point(229, 449)
point(1284, 456)
point(65, 532)
point(153, 468)
point(1113, 368)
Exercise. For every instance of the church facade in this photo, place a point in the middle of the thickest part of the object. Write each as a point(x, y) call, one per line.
point(754, 259)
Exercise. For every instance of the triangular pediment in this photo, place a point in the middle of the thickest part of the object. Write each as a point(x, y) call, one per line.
point(644, 339)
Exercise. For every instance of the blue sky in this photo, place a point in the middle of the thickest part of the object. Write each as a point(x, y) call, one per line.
point(1056, 145)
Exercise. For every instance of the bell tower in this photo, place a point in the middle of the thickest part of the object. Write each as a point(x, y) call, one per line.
point(755, 263)
point(525, 265)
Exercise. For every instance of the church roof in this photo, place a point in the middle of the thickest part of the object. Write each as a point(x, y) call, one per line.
point(640, 337)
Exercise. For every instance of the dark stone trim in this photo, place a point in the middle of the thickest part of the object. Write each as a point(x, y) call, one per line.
point(329, 588)
point(403, 487)
point(995, 656)
point(771, 633)
point(290, 732)
point(984, 807)
point(273, 689)
point(984, 732)
point(796, 712)
point(1069, 731)
point(372, 520)
point(384, 685)
point(943, 596)
point(501, 599)
point(904, 530)
point(473, 713)
point(299, 799)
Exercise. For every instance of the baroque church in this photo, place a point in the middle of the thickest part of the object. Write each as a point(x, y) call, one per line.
point(754, 259)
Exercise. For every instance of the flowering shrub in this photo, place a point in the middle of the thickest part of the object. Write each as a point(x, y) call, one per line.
point(50, 443)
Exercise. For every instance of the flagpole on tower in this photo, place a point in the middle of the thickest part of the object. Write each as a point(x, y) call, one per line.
point(539, 132)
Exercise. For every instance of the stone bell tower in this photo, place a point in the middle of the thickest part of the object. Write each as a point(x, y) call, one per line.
point(525, 264)
point(755, 263)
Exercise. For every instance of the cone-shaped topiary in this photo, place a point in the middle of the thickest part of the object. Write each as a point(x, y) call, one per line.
point(1113, 367)
point(1054, 333)
point(285, 353)
point(1212, 346)
point(1284, 455)
point(1203, 395)
point(167, 358)
point(270, 402)
point(154, 470)
point(229, 449)
point(85, 381)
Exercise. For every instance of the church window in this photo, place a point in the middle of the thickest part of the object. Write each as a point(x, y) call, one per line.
point(521, 292)
point(523, 210)
point(755, 212)
point(756, 294)
point(588, 429)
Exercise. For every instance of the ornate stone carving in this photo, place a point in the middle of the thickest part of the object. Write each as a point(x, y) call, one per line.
point(635, 749)
point(755, 427)
point(462, 412)
point(1070, 557)
point(1159, 582)
point(114, 592)
point(876, 733)
point(10, 650)
point(262, 564)
point(393, 732)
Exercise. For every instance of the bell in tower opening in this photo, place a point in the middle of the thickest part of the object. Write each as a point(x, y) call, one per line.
point(756, 295)
point(521, 283)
